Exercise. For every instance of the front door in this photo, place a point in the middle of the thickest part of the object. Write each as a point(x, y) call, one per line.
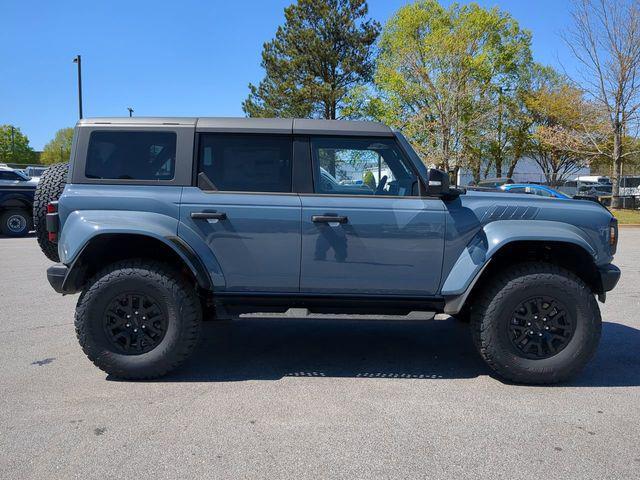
point(245, 211)
point(364, 229)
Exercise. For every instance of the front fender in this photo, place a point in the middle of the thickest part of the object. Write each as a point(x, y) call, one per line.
point(495, 235)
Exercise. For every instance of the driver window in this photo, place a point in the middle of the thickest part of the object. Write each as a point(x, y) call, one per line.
point(360, 166)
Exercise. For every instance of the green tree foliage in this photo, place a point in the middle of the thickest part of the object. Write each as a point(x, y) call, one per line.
point(14, 146)
point(58, 149)
point(442, 77)
point(369, 180)
point(558, 113)
point(324, 49)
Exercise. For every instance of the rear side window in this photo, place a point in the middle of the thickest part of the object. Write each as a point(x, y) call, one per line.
point(131, 155)
point(247, 163)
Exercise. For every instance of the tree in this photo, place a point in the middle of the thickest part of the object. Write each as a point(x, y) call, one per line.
point(556, 109)
point(442, 75)
point(58, 149)
point(14, 146)
point(369, 180)
point(324, 49)
point(605, 39)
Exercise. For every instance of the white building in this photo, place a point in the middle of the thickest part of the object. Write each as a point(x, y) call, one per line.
point(527, 171)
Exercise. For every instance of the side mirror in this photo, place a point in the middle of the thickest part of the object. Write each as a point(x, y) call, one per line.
point(437, 183)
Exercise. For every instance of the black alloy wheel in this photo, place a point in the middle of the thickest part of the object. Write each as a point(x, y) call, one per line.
point(134, 323)
point(541, 327)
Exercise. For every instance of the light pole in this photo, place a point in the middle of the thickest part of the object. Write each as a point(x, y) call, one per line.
point(78, 61)
point(130, 111)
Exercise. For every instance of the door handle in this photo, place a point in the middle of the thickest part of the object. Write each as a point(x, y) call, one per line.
point(329, 219)
point(209, 215)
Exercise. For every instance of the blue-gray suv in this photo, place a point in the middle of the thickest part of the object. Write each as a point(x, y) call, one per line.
point(161, 222)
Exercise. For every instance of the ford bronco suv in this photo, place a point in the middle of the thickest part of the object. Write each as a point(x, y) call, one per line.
point(161, 222)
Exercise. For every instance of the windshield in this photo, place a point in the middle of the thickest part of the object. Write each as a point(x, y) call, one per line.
point(415, 159)
point(21, 174)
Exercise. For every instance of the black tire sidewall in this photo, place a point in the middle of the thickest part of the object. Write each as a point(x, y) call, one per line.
point(578, 301)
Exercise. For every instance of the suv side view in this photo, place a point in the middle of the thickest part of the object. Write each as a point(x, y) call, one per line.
point(161, 222)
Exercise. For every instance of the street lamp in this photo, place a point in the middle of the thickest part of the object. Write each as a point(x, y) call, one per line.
point(130, 111)
point(78, 61)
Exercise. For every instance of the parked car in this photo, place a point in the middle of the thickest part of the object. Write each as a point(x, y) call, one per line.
point(34, 172)
point(16, 202)
point(534, 189)
point(593, 179)
point(166, 221)
point(494, 182)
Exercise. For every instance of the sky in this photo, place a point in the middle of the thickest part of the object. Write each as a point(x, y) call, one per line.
point(177, 58)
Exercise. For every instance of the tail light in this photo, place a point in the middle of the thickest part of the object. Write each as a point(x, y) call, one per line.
point(613, 235)
point(52, 221)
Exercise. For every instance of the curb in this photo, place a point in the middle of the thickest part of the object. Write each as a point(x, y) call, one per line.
point(629, 225)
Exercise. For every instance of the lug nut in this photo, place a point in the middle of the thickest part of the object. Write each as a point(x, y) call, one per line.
point(540, 334)
point(531, 332)
point(528, 324)
point(144, 326)
point(128, 325)
point(135, 330)
point(144, 318)
point(128, 316)
point(546, 328)
point(136, 312)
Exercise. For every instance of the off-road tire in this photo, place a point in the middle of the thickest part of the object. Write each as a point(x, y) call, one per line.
point(178, 300)
point(493, 309)
point(49, 189)
point(16, 222)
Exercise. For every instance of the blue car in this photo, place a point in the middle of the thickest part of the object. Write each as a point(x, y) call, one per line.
point(539, 190)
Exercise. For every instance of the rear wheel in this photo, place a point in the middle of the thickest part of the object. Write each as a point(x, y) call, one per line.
point(138, 319)
point(536, 323)
point(49, 189)
point(16, 223)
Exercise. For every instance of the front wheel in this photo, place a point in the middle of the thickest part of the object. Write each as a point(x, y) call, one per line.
point(138, 319)
point(536, 323)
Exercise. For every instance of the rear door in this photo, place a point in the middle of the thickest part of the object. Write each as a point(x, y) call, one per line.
point(245, 211)
point(365, 231)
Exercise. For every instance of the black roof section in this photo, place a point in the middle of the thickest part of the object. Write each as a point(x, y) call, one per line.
point(296, 126)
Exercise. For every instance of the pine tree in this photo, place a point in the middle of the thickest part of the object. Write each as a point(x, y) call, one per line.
point(324, 49)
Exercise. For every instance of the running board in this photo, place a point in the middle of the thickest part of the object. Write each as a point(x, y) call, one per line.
point(304, 313)
point(241, 303)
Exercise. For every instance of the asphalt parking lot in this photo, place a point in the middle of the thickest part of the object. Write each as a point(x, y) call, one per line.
point(293, 399)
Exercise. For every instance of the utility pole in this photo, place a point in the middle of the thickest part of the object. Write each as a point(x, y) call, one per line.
point(78, 61)
point(130, 111)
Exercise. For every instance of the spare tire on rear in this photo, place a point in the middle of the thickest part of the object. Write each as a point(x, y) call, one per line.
point(49, 189)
